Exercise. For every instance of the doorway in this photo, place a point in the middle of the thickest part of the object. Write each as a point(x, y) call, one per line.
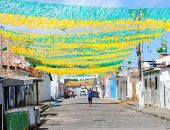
point(134, 96)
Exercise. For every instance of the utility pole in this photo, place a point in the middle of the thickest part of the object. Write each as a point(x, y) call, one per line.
point(138, 16)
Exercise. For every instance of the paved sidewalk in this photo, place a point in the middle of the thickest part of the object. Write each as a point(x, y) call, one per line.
point(150, 110)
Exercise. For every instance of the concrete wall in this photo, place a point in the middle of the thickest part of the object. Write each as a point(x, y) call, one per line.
point(165, 88)
point(132, 89)
point(54, 87)
point(129, 88)
point(107, 93)
point(56, 91)
point(152, 95)
point(45, 88)
point(123, 89)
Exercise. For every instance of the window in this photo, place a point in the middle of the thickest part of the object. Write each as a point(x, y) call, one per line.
point(150, 83)
point(145, 83)
point(156, 83)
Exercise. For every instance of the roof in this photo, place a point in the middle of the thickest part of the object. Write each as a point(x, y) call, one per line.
point(18, 80)
point(23, 78)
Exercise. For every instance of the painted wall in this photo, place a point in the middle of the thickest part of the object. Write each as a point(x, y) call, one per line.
point(107, 93)
point(54, 87)
point(165, 88)
point(123, 89)
point(57, 87)
point(45, 88)
point(113, 89)
point(152, 95)
point(129, 88)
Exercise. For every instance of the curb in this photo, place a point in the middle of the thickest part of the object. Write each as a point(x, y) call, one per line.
point(148, 113)
point(109, 101)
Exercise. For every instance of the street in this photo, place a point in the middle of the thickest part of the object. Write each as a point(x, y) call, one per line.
point(76, 114)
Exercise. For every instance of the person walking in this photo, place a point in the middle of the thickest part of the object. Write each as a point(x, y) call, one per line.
point(90, 95)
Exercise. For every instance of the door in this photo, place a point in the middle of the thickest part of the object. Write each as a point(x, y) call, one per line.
point(113, 89)
point(134, 96)
point(123, 91)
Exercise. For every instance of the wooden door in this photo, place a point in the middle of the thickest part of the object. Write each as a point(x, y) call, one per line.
point(134, 96)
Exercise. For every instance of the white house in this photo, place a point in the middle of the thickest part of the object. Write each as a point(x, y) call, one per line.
point(152, 86)
point(44, 87)
point(164, 81)
point(156, 87)
point(57, 87)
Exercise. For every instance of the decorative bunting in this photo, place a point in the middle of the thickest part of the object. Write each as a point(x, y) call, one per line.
point(79, 40)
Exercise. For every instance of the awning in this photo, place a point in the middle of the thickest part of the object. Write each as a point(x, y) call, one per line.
point(18, 81)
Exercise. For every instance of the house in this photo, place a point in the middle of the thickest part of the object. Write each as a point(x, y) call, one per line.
point(114, 89)
point(164, 80)
point(122, 84)
point(156, 81)
point(16, 92)
point(44, 87)
point(132, 84)
point(16, 85)
point(111, 87)
point(57, 87)
point(152, 86)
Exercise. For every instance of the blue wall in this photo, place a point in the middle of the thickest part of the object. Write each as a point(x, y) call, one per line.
point(113, 87)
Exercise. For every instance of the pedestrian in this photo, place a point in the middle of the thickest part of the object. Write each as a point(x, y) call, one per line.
point(90, 96)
